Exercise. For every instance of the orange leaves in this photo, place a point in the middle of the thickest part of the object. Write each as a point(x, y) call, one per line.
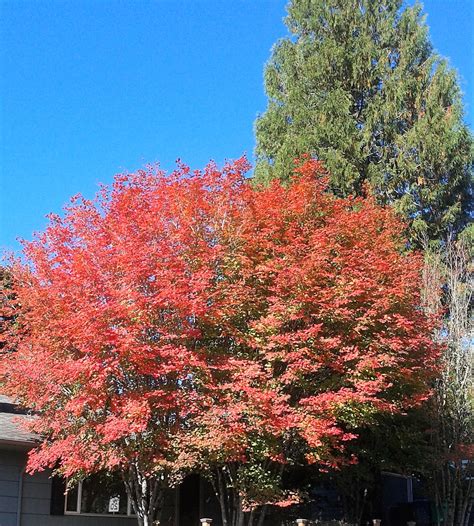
point(192, 311)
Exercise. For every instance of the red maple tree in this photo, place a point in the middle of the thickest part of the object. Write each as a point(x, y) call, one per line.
point(192, 321)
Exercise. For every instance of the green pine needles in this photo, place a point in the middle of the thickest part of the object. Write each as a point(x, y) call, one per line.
point(359, 86)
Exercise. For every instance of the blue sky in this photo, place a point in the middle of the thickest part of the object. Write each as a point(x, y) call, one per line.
point(90, 88)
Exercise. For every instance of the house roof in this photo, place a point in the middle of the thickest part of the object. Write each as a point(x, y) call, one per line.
point(12, 420)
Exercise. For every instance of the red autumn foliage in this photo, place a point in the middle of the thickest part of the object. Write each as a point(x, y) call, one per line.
point(179, 317)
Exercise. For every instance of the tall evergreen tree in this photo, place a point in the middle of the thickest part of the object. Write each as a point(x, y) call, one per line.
point(359, 86)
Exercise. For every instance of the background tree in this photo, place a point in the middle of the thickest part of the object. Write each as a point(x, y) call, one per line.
point(449, 285)
point(359, 86)
point(9, 308)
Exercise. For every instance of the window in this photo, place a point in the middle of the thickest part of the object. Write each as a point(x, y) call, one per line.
point(96, 495)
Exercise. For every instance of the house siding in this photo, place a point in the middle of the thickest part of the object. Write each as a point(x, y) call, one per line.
point(11, 463)
point(36, 498)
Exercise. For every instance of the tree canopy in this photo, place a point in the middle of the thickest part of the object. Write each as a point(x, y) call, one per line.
point(358, 85)
point(194, 322)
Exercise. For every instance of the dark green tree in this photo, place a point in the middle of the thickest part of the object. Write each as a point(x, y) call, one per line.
point(359, 86)
point(8, 311)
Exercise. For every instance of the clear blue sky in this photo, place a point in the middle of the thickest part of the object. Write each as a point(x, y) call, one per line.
point(90, 88)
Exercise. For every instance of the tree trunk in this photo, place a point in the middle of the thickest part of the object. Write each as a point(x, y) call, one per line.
point(146, 520)
point(467, 514)
point(223, 481)
point(146, 495)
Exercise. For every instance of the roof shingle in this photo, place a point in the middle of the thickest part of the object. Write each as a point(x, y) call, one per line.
point(12, 423)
